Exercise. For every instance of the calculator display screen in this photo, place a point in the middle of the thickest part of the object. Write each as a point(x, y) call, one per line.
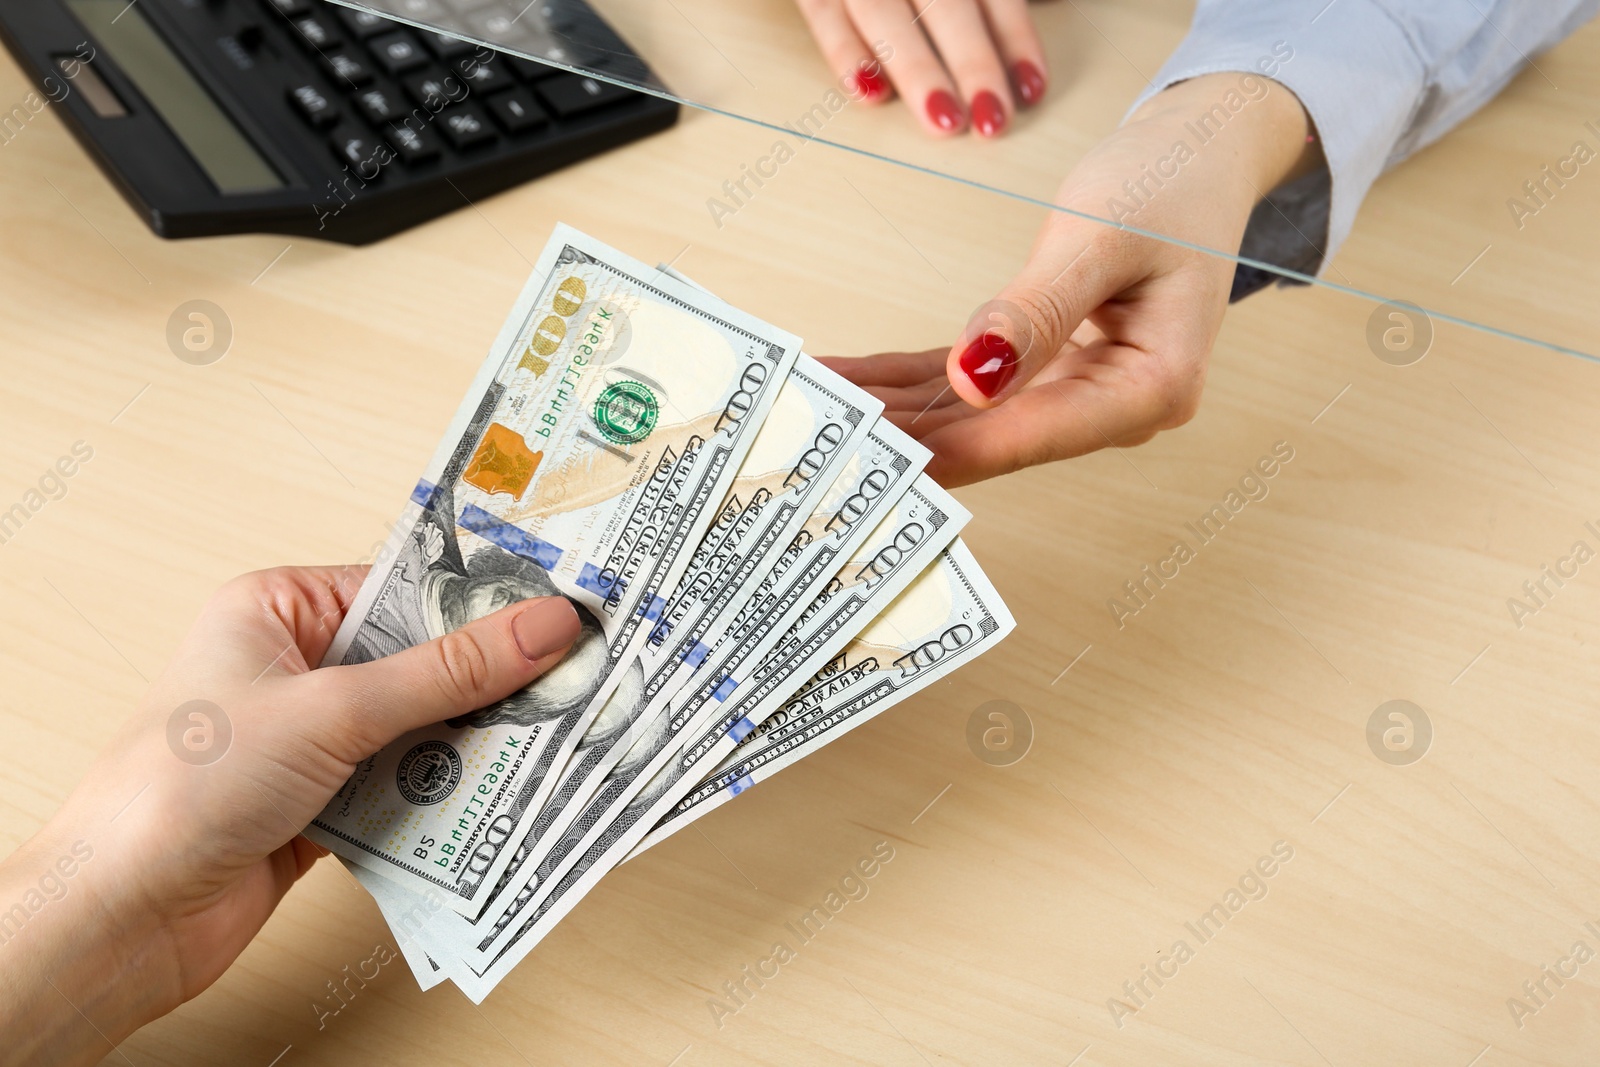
point(221, 149)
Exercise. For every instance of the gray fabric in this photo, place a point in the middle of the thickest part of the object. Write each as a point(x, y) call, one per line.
point(1380, 80)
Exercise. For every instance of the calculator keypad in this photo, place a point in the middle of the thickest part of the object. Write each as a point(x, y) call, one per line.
point(391, 96)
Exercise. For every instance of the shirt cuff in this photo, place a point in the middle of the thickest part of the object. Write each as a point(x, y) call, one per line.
point(1318, 51)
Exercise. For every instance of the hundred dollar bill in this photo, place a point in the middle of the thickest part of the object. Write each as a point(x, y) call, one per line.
point(407, 913)
point(949, 616)
point(872, 480)
point(917, 529)
point(817, 423)
point(587, 460)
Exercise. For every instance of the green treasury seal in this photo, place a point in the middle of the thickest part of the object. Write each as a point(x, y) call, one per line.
point(626, 412)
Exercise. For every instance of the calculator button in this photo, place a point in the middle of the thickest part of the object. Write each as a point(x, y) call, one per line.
point(288, 8)
point(364, 23)
point(344, 67)
point(314, 106)
point(380, 105)
point(484, 76)
point(434, 88)
point(363, 153)
point(315, 33)
point(573, 95)
point(398, 52)
point(249, 36)
point(516, 111)
point(413, 145)
point(465, 126)
point(447, 47)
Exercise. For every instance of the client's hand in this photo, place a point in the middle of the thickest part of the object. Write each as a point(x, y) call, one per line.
point(1104, 337)
point(184, 834)
point(985, 52)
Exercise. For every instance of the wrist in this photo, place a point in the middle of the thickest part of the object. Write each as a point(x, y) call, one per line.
point(1243, 125)
point(85, 963)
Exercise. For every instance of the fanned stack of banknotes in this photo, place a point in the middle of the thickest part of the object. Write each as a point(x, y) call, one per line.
point(759, 563)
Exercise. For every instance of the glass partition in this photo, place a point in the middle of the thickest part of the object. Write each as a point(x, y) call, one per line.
point(1517, 167)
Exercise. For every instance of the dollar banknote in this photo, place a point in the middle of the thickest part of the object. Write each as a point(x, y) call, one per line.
point(872, 480)
point(920, 525)
point(818, 422)
point(946, 618)
point(407, 912)
point(587, 459)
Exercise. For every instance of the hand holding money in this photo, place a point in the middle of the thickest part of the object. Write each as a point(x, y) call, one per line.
point(158, 871)
point(728, 518)
point(659, 555)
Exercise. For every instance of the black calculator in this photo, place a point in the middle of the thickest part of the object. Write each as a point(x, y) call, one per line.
point(307, 118)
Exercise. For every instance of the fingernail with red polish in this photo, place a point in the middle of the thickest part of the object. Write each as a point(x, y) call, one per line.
point(988, 115)
point(945, 111)
point(548, 624)
point(1029, 81)
point(869, 82)
point(989, 363)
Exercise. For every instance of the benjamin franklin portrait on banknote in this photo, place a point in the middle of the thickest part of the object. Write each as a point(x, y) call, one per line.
point(437, 589)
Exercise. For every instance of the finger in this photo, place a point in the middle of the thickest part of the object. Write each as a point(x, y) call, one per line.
point(913, 66)
point(962, 37)
point(1075, 267)
point(1013, 30)
point(1116, 404)
point(307, 604)
point(893, 369)
point(842, 47)
point(929, 396)
point(920, 424)
point(467, 669)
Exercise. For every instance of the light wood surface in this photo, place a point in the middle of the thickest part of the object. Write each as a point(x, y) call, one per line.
point(1170, 754)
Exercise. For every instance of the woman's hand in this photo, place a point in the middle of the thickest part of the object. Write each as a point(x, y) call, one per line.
point(935, 55)
point(184, 834)
point(1103, 338)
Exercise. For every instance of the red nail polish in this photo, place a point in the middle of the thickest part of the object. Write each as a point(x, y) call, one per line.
point(1029, 81)
point(869, 82)
point(988, 115)
point(945, 111)
point(989, 363)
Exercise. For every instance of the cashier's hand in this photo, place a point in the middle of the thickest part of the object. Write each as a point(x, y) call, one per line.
point(952, 61)
point(1103, 338)
point(185, 833)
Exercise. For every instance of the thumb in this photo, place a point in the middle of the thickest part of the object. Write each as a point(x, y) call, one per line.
point(467, 669)
point(1074, 269)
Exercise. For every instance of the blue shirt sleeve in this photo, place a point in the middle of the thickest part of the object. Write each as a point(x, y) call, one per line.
point(1380, 79)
